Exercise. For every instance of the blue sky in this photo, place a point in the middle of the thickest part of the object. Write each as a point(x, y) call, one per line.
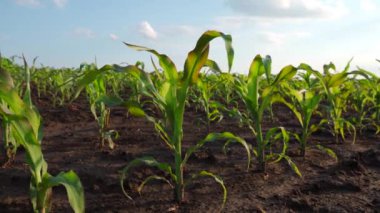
point(65, 33)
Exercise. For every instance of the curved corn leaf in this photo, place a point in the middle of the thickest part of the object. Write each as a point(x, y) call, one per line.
point(169, 68)
point(92, 73)
point(286, 73)
point(277, 133)
point(328, 151)
point(213, 66)
point(198, 57)
point(149, 161)
point(219, 136)
point(134, 108)
point(217, 179)
point(293, 165)
point(73, 186)
point(151, 178)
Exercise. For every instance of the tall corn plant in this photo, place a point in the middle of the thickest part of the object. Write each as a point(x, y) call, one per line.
point(170, 96)
point(25, 123)
point(258, 100)
point(11, 144)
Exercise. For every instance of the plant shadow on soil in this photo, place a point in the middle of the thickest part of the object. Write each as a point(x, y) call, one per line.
point(71, 142)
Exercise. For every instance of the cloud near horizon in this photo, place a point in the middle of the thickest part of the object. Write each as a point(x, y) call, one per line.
point(298, 9)
point(368, 5)
point(277, 38)
point(114, 37)
point(28, 3)
point(147, 30)
point(60, 3)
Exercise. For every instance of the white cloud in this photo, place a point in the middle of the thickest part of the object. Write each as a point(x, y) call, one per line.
point(273, 38)
point(187, 30)
point(147, 30)
point(324, 9)
point(28, 3)
point(60, 3)
point(83, 32)
point(180, 30)
point(368, 5)
point(276, 38)
point(114, 37)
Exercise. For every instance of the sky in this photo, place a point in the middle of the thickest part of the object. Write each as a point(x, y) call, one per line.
point(66, 33)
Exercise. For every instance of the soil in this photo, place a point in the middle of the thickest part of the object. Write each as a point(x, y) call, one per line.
point(351, 184)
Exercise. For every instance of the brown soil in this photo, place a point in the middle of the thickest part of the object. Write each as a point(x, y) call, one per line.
point(71, 142)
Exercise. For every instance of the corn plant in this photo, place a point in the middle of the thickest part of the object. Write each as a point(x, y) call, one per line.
point(10, 144)
point(25, 123)
point(337, 93)
point(304, 104)
point(170, 96)
point(257, 101)
point(212, 108)
point(367, 100)
point(94, 82)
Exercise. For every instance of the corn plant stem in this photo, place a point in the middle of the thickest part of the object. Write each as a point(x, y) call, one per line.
point(260, 147)
point(177, 140)
point(5, 129)
point(303, 141)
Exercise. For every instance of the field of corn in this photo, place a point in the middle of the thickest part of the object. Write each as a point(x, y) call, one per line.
point(119, 138)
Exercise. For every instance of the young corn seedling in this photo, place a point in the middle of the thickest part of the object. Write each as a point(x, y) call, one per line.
point(337, 92)
point(257, 101)
point(170, 95)
point(211, 108)
point(94, 82)
point(371, 99)
point(304, 104)
point(25, 122)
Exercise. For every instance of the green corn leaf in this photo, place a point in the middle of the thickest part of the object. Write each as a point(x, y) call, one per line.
point(228, 136)
point(110, 101)
point(217, 179)
point(169, 68)
point(135, 109)
point(327, 67)
point(149, 161)
point(92, 73)
point(328, 151)
point(336, 79)
point(213, 66)
point(286, 73)
point(251, 98)
point(278, 98)
point(151, 178)
point(5, 78)
point(73, 186)
point(293, 166)
point(198, 57)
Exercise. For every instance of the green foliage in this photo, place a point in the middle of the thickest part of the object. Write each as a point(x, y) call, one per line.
point(169, 95)
point(258, 99)
point(25, 123)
